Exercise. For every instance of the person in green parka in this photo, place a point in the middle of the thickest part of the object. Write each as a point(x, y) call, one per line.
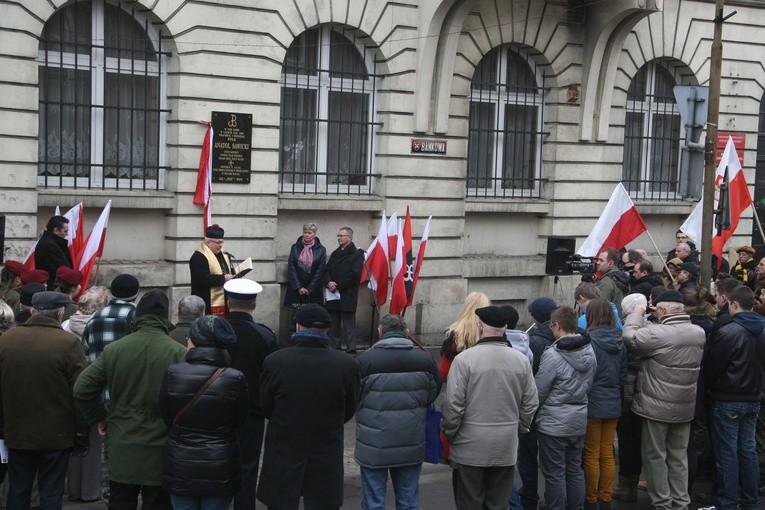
point(133, 368)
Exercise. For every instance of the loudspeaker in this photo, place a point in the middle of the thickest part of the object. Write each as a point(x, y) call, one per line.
point(2, 236)
point(559, 249)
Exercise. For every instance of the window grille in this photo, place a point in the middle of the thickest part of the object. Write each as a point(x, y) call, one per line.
point(651, 165)
point(101, 87)
point(327, 114)
point(505, 137)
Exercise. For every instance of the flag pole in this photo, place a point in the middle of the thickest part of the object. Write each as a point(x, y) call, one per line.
point(759, 225)
point(661, 256)
point(374, 305)
point(98, 266)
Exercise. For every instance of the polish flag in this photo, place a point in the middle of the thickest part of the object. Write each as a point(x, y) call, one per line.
point(418, 260)
point(392, 236)
point(377, 263)
point(618, 225)
point(75, 237)
point(203, 193)
point(94, 246)
point(404, 269)
point(29, 260)
point(738, 199)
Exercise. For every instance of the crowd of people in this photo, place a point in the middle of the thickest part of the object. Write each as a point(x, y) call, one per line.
point(180, 412)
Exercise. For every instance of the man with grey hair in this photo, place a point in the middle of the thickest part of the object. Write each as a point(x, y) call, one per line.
point(683, 252)
point(490, 398)
point(670, 355)
point(342, 278)
point(189, 308)
point(39, 364)
point(398, 382)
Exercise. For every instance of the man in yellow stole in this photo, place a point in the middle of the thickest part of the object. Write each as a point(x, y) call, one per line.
point(210, 268)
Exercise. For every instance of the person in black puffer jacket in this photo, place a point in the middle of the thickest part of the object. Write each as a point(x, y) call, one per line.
point(202, 459)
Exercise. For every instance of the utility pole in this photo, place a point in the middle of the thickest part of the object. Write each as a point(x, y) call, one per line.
point(715, 75)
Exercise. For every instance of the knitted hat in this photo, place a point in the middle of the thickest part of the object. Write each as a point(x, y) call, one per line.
point(125, 287)
point(69, 275)
point(511, 316)
point(630, 301)
point(541, 308)
point(211, 330)
point(669, 296)
point(35, 276)
point(15, 267)
point(493, 316)
point(312, 316)
point(154, 302)
point(214, 232)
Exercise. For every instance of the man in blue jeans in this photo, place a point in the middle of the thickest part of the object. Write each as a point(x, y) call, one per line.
point(398, 382)
point(733, 375)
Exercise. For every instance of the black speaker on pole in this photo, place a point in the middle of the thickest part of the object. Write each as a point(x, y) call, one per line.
point(2, 236)
point(559, 249)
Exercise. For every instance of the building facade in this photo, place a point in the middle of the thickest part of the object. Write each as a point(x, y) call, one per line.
point(542, 106)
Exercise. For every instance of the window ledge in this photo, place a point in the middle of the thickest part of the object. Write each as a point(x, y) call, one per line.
point(657, 207)
point(511, 205)
point(121, 199)
point(300, 202)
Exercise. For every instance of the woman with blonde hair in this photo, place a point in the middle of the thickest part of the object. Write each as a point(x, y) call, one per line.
point(462, 333)
point(604, 405)
point(6, 316)
point(89, 303)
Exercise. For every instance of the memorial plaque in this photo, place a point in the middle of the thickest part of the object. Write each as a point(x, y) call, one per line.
point(232, 145)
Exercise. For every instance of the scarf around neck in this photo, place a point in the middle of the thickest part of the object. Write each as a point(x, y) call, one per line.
point(305, 260)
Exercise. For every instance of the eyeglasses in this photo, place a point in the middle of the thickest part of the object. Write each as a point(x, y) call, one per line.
point(343, 235)
point(218, 241)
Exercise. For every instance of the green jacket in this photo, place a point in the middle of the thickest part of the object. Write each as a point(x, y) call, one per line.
point(133, 367)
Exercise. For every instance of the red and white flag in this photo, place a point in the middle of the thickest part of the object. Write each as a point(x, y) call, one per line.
point(377, 263)
point(94, 246)
point(29, 260)
point(203, 193)
point(738, 200)
point(392, 236)
point(618, 225)
point(419, 259)
point(75, 237)
point(404, 269)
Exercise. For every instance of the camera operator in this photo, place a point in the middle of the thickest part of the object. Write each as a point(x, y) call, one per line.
point(613, 283)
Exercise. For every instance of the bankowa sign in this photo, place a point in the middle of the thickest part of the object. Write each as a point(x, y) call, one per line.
point(739, 141)
point(421, 146)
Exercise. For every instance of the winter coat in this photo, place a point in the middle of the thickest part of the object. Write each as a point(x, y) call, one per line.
point(39, 363)
point(645, 284)
point(133, 368)
point(582, 320)
point(398, 382)
point(297, 278)
point(202, 458)
point(605, 399)
point(308, 391)
point(733, 367)
point(540, 338)
point(670, 353)
point(344, 268)
point(490, 398)
point(613, 286)
point(565, 377)
point(52, 252)
point(745, 273)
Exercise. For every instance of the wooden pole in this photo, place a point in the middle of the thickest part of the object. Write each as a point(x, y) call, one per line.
point(710, 149)
point(664, 262)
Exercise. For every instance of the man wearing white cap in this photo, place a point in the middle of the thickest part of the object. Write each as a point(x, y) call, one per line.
point(253, 343)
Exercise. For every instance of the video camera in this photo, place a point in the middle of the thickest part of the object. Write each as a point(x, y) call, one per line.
point(583, 265)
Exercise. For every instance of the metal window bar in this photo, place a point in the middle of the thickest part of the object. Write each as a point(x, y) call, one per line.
point(327, 149)
point(505, 133)
point(140, 169)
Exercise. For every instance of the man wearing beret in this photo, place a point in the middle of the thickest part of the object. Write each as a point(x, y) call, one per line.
point(11, 281)
point(254, 342)
point(52, 250)
point(490, 399)
point(39, 363)
point(670, 354)
point(210, 268)
point(68, 281)
point(308, 391)
point(133, 368)
point(743, 270)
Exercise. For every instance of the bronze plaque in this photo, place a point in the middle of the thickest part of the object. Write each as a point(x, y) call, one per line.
point(232, 145)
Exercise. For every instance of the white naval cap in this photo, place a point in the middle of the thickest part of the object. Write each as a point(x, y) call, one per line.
point(242, 288)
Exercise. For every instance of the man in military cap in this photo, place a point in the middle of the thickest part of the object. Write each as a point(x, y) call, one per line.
point(253, 343)
point(39, 364)
point(68, 281)
point(308, 392)
point(210, 268)
point(503, 401)
point(10, 278)
point(743, 270)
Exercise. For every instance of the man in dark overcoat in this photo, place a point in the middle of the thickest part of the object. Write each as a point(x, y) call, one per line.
point(308, 391)
point(52, 250)
point(342, 277)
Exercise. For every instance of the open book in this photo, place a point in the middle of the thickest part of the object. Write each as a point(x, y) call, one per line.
point(243, 267)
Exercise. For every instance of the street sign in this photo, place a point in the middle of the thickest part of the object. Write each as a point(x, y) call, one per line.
point(693, 103)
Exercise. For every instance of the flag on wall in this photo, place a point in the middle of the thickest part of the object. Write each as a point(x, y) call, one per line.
point(203, 193)
point(419, 259)
point(404, 269)
point(738, 199)
point(618, 225)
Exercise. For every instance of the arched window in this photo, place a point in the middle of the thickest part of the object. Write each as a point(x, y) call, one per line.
point(101, 93)
point(652, 135)
point(327, 111)
point(505, 138)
